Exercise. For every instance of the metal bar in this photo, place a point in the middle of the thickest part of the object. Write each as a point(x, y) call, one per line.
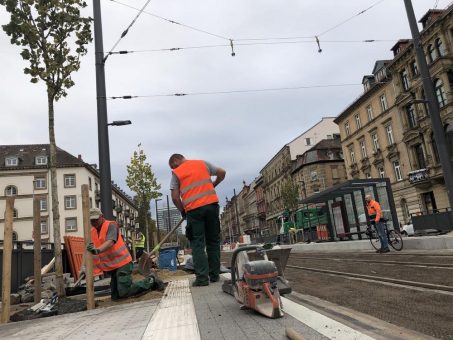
point(37, 248)
point(88, 257)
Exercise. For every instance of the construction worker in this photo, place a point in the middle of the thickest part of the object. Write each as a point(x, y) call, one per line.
point(111, 255)
point(375, 213)
point(139, 243)
point(192, 192)
point(292, 235)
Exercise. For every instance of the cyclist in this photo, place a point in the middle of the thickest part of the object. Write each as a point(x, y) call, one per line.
point(375, 213)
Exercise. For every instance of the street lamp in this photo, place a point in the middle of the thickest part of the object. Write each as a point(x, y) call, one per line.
point(120, 123)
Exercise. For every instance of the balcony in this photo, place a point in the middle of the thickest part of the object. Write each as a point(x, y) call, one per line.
point(418, 176)
point(97, 195)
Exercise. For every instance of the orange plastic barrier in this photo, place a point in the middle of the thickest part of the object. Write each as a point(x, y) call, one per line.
point(75, 247)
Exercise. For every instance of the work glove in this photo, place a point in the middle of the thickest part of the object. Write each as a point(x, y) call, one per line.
point(92, 249)
point(183, 215)
point(157, 284)
point(82, 271)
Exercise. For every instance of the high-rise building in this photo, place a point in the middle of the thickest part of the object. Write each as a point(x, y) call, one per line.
point(163, 220)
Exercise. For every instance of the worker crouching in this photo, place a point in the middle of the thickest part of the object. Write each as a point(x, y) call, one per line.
point(111, 255)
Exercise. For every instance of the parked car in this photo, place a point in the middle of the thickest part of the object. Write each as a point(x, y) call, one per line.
point(407, 230)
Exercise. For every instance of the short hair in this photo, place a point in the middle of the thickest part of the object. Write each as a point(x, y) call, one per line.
point(175, 157)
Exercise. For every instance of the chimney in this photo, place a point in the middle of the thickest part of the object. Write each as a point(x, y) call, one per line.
point(79, 157)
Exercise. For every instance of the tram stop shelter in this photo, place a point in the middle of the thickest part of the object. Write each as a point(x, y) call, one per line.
point(345, 206)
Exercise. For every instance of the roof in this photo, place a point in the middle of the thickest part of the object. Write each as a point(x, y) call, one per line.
point(28, 153)
point(432, 13)
point(325, 144)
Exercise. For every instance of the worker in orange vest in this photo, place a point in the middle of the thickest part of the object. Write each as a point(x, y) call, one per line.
point(193, 193)
point(375, 213)
point(111, 255)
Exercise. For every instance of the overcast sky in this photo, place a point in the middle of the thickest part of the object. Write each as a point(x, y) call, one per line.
point(240, 132)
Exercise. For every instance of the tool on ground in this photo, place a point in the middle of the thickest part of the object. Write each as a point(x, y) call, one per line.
point(71, 290)
point(257, 284)
point(145, 263)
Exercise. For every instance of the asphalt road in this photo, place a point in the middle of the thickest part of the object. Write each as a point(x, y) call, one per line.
point(422, 310)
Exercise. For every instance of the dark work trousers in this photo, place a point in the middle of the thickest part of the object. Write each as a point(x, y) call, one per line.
point(122, 285)
point(205, 241)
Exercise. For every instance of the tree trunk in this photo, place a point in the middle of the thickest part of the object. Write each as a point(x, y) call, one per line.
point(55, 204)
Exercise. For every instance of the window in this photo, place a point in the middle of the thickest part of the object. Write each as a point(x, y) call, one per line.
point(440, 93)
point(44, 227)
point(11, 161)
point(89, 183)
point(10, 190)
point(432, 53)
point(71, 224)
point(69, 181)
point(404, 80)
point(351, 152)
point(70, 202)
point(381, 172)
point(43, 204)
point(15, 213)
point(374, 137)
point(397, 168)
point(414, 68)
point(91, 202)
point(389, 131)
point(335, 173)
point(363, 149)
point(40, 183)
point(357, 121)
point(420, 156)
point(439, 47)
point(307, 141)
point(96, 186)
point(369, 111)
point(347, 128)
point(383, 101)
point(411, 116)
point(41, 160)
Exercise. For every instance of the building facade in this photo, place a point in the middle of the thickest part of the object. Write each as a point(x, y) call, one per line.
point(387, 131)
point(25, 174)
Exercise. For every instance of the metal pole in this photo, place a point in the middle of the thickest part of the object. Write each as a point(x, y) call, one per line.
point(103, 133)
point(37, 248)
point(168, 215)
point(438, 130)
point(88, 257)
point(147, 233)
point(157, 222)
point(7, 259)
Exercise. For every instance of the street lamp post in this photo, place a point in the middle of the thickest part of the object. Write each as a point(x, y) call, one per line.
point(157, 220)
point(433, 105)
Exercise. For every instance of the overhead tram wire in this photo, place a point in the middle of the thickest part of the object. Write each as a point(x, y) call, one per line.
point(173, 49)
point(140, 11)
point(234, 91)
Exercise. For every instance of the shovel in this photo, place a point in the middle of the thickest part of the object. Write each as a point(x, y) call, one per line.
point(144, 263)
point(74, 289)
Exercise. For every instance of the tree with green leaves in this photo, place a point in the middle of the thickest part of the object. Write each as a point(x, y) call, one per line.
point(141, 180)
point(290, 196)
point(53, 35)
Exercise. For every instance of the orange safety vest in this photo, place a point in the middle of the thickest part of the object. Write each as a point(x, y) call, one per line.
point(195, 184)
point(114, 257)
point(374, 209)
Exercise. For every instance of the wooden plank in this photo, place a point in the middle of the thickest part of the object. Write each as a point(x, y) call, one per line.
point(37, 248)
point(88, 256)
point(7, 256)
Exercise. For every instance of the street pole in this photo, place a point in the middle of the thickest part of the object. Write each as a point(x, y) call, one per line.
point(147, 233)
point(103, 134)
point(236, 212)
point(168, 215)
point(433, 105)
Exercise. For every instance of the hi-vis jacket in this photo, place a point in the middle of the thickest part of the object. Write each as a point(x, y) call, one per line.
point(195, 184)
point(114, 257)
point(374, 209)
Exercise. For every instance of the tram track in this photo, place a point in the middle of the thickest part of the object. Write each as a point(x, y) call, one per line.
point(398, 263)
point(379, 279)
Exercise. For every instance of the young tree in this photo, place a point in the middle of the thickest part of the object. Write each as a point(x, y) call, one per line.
point(53, 35)
point(141, 180)
point(290, 196)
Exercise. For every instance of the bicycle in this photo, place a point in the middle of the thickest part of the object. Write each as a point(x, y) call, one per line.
point(394, 239)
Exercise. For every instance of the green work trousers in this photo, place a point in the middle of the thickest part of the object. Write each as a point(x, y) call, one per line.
point(122, 286)
point(205, 242)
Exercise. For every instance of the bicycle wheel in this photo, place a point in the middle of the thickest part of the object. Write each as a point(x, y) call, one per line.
point(395, 240)
point(374, 239)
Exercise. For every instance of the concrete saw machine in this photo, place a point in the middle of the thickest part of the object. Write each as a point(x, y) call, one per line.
point(256, 284)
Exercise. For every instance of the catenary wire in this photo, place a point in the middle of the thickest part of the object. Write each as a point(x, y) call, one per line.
point(234, 91)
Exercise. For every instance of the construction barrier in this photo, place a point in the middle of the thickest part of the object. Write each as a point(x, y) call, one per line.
point(75, 247)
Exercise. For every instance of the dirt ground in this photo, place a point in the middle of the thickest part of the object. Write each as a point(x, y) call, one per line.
point(78, 303)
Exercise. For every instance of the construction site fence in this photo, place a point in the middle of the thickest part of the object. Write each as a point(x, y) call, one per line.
point(22, 261)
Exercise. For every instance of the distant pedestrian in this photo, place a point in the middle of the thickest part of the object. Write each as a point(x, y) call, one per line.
point(193, 193)
point(111, 255)
point(375, 213)
point(139, 244)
